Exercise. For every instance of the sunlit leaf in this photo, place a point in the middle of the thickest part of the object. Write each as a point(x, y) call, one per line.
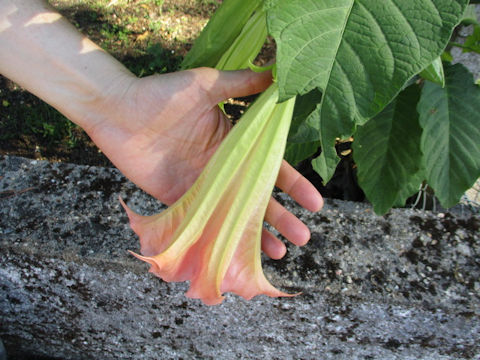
point(358, 53)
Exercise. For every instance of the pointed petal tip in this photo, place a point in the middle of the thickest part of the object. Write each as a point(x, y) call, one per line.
point(155, 268)
point(217, 300)
point(123, 203)
point(291, 295)
point(267, 289)
point(129, 211)
point(275, 294)
point(207, 300)
point(133, 217)
point(147, 259)
point(138, 256)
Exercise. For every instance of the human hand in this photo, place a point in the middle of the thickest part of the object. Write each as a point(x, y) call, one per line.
point(163, 130)
point(160, 131)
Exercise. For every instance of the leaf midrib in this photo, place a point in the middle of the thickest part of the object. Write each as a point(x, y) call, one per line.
point(334, 58)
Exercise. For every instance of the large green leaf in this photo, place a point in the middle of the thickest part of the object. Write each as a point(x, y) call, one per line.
point(387, 150)
point(358, 53)
point(450, 118)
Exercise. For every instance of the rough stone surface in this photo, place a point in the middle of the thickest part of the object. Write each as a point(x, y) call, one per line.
point(402, 286)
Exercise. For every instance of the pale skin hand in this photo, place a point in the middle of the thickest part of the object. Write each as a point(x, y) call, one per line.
point(166, 127)
point(159, 131)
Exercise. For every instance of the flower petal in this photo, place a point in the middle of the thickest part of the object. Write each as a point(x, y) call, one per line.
point(156, 231)
point(212, 235)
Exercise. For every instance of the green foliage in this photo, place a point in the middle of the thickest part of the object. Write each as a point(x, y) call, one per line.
point(387, 151)
point(38, 119)
point(156, 60)
point(247, 45)
point(219, 34)
point(369, 50)
point(359, 68)
point(472, 43)
point(296, 152)
point(434, 72)
point(450, 119)
point(303, 129)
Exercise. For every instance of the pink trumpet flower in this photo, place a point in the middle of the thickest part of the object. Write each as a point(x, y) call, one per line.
point(212, 235)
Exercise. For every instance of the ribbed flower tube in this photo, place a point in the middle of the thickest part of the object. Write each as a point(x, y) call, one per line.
point(212, 235)
point(247, 45)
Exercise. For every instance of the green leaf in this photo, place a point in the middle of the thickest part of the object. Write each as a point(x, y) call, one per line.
point(410, 188)
point(387, 150)
point(219, 34)
point(296, 152)
point(307, 34)
point(325, 165)
point(450, 118)
point(301, 130)
point(358, 53)
point(434, 72)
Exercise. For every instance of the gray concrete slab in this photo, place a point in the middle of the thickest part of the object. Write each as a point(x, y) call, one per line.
point(402, 286)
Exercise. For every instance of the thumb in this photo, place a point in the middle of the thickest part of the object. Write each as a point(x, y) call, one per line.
point(239, 83)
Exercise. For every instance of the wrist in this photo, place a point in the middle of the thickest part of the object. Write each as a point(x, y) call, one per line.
point(97, 100)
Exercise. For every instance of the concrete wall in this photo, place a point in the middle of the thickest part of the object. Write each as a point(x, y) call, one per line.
point(402, 286)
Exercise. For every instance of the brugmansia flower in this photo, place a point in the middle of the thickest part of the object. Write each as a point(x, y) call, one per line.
point(212, 235)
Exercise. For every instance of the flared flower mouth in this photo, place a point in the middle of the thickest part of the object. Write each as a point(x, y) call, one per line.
point(212, 235)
